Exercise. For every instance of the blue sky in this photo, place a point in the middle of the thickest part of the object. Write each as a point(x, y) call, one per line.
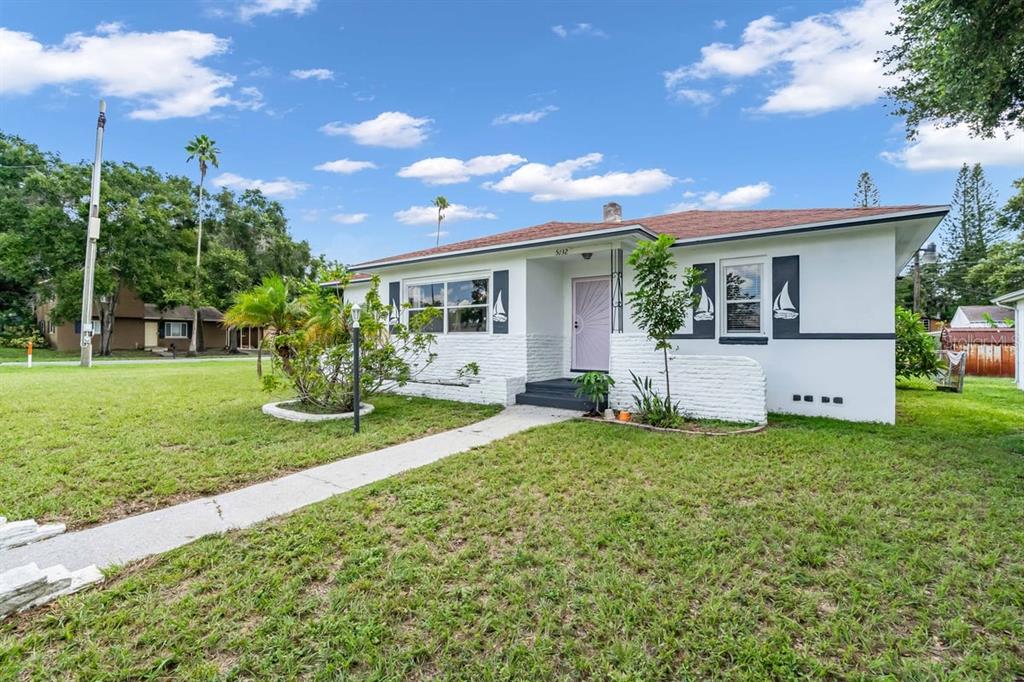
point(518, 113)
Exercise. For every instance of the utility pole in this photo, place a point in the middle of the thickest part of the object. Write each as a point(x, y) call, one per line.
point(92, 236)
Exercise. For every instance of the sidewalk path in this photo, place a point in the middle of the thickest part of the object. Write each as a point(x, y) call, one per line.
point(137, 537)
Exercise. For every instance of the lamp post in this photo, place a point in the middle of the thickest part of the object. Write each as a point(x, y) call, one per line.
point(355, 367)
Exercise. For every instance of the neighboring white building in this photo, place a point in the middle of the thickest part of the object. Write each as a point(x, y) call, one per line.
point(978, 316)
point(797, 303)
point(1014, 301)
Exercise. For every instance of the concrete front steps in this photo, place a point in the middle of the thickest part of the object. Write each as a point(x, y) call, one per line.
point(560, 393)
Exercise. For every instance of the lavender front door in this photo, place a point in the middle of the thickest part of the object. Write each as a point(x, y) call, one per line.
point(591, 323)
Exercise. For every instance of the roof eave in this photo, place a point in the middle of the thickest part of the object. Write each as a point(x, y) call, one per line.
point(936, 211)
point(1011, 297)
point(627, 229)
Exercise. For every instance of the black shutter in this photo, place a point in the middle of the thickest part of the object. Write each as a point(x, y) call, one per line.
point(160, 329)
point(78, 326)
point(395, 303)
point(703, 313)
point(704, 310)
point(786, 297)
point(499, 306)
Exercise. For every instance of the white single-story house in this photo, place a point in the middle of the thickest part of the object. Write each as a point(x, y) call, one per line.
point(796, 311)
point(1015, 301)
point(982, 317)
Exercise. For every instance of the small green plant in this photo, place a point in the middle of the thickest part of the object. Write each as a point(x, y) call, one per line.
point(594, 386)
point(470, 369)
point(651, 408)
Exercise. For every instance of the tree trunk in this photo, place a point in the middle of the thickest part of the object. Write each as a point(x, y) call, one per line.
point(195, 292)
point(233, 340)
point(668, 389)
point(259, 358)
point(107, 319)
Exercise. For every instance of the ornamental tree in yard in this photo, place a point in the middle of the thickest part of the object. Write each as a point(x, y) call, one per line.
point(312, 339)
point(915, 350)
point(659, 303)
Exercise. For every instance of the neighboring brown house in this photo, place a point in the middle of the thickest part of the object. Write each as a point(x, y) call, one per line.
point(139, 326)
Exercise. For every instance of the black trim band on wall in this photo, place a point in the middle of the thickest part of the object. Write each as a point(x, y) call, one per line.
point(743, 340)
point(703, 320)
point(499, 310)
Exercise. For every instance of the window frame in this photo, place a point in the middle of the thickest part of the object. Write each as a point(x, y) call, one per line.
point(763, 296)
point(168, 335)
point(444, 281)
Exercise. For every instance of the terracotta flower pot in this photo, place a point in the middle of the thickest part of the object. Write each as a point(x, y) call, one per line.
point(624, 416)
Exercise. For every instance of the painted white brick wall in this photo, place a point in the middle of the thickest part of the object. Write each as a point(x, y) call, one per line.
point(502, 362)
point(727, 387)
point(544, 354)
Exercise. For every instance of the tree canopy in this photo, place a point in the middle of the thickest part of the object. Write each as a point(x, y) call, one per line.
point(959, 61)
point(147, 240)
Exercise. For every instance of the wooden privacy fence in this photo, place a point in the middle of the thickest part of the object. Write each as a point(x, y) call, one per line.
point(990, 352)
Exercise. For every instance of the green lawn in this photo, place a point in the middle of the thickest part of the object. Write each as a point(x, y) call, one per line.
point(49, 355)
point(83, 446)
point(583, 550)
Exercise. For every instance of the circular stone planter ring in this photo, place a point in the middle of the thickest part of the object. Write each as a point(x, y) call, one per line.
point(281, 411)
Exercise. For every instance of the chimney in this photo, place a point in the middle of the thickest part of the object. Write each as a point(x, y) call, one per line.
point(612, 212)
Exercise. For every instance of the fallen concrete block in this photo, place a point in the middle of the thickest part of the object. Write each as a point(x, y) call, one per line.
point(28, 586)
point(17, 533)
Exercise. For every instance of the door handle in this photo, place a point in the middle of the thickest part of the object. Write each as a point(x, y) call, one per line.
point(575, 324)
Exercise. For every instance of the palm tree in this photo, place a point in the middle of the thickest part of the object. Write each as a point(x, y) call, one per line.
point(205, 151)
point(442, 204)
point(267, 306)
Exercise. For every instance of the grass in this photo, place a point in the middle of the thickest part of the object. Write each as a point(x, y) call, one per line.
point(88, 446)
point(814, 549)
point(50, 355)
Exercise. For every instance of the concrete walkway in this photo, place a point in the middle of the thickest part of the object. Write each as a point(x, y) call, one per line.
point(137, 537)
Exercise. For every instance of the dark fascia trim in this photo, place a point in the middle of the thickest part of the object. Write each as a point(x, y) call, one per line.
point(639, 231)
point(743, 340)
point(584, 371)
point(848, 336)
point(775, 232)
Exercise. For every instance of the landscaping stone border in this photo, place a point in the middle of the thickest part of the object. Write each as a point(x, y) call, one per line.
point(17, 533)
point(752, 429)
point(28, 586)
point(276, 410)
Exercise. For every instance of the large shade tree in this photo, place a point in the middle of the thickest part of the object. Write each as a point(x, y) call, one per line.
point(959, 61)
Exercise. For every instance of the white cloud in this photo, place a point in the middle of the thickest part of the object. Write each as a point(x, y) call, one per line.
point(318, 74)
point(109, 27)
point(442, 170)
point(427, 215)
point(349, 218)
point(254, 8)
point(345, 166)
point(261, 72)
point(524, 117)
point(827, 61)
point(435, 233)
point(161, 74)
point(937, 148)
point(718, 24)
point(280, 188)
point(557, 182)
point(699, 97)
point(393, 129)
point(581, 29)
point(741, 197)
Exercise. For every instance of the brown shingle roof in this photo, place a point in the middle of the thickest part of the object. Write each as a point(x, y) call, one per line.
point(683, 225)
point(183, 312)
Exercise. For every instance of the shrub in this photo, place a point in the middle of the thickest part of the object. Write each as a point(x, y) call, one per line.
point(651, 408)
point(312, 342)
point(594, 386)
point(19, 335)
point(915, 349)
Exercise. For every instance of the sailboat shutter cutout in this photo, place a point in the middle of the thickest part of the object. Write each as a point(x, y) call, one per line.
point(786, 297)
point(499, 308)
point(395, 303)
point(703, 314)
